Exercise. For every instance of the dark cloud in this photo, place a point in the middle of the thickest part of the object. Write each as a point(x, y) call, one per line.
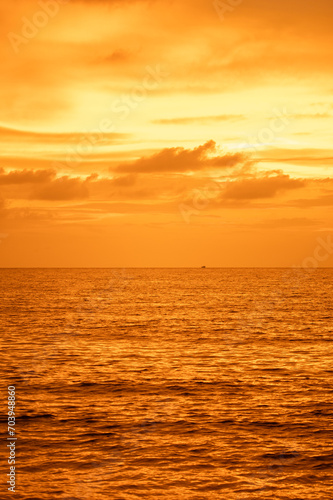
point(124, 181)
point(183, 160)
point(117, 57)
point(256, 188)
point(109, 2)
point(63, 188)
point(26, 176)
point(45, 185)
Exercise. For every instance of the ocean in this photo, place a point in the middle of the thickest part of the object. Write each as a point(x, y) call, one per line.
point(168, 383)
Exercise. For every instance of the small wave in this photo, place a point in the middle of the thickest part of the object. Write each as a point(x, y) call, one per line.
point(267, 424)
point(41, 415)
point(281, 456)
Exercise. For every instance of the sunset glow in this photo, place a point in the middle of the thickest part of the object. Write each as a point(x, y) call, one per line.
point(165, 134)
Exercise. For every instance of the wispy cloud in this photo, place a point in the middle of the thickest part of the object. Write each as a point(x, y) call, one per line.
point(202, 120)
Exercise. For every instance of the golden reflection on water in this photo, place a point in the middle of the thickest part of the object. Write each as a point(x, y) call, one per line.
point(173, 384)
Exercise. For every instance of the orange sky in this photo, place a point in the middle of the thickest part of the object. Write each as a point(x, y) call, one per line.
point(164, 133)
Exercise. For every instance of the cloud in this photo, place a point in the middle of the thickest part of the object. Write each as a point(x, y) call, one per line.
point(45, 185)
point(11, 134)
point(124, 181)
point(203, 120)
point(312, 116)
point(307, 156)
point(257, 188)
point(26, 176)
point(293, 222)
point(63, 188)
point(322, 201)
point(183, 160)
point(118, 56)
point(110, 2)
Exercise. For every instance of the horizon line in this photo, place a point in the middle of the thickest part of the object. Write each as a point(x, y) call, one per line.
point(171, 267)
